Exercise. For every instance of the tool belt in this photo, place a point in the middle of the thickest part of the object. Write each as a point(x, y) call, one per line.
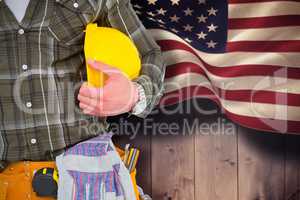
point(28, 180)
point(16, 180)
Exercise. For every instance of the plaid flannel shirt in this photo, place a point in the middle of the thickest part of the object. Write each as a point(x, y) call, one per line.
point(42, 67)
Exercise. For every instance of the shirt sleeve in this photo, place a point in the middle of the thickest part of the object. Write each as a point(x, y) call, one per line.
point(122, 16)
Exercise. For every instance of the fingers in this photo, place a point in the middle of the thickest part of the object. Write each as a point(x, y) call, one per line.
point(90, 99)
point(87, 109)
point(97, 65)
point(96, 110)
point(88, 91)
point(91, 102)
point(91, 112)
point(84, 106)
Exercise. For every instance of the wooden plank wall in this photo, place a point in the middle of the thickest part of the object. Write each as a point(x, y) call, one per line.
point(234, 163)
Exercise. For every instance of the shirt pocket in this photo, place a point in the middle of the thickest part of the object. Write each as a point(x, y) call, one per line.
point(68, 22)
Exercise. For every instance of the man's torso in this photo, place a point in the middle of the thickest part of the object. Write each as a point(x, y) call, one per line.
point(41, 68)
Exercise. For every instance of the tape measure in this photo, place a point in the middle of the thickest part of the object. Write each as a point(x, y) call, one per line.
point(45, 182)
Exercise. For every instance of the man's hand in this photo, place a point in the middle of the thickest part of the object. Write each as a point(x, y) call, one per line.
point(117, 96)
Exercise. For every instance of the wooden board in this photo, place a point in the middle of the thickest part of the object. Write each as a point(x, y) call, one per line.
point(173, 163)
point(173, 168)
point(245, 165)
point(261, 165)
point(292, 167)
point(216, 163)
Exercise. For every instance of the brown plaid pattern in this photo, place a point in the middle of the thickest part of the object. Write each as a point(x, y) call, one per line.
point(42, 66)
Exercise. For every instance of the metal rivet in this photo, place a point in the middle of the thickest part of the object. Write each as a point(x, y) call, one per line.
point(21, 31)
point(24, 67)
point(33, 141)
point(75, 5)
point(28, 104)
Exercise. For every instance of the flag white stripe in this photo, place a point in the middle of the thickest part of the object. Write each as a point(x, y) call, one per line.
point(235, 58)
point(265, 34)
point(263, 9)
point(255, 83)
point(263, 110)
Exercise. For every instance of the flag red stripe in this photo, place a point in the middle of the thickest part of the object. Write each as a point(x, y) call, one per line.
point(257, 96)
point(262, 96)
point(236, 71)
point(233, 71)
point(282, 126)
point(184, 67)
point(264, 22)
point(185, 93)
point(257, 1)
point(264, 46)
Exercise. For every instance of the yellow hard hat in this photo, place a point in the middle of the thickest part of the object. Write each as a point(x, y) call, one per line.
point(113, 48)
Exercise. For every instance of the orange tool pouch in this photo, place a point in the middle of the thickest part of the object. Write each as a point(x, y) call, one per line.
point(16, 180)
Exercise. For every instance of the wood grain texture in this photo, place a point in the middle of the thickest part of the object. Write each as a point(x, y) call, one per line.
point(292, 167)
point(173, 161)
point(216, 164)
point(173, 168)
point(261, 165)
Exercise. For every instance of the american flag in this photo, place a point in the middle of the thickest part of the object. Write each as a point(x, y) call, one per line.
point(242, 54)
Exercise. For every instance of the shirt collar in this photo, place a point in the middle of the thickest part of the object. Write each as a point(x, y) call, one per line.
point(31, 10)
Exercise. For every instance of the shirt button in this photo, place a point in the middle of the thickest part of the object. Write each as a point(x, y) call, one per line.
point(33, 141)
point(75, 5)
point(24, 67)
point(21, 31)
point(28, 104)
